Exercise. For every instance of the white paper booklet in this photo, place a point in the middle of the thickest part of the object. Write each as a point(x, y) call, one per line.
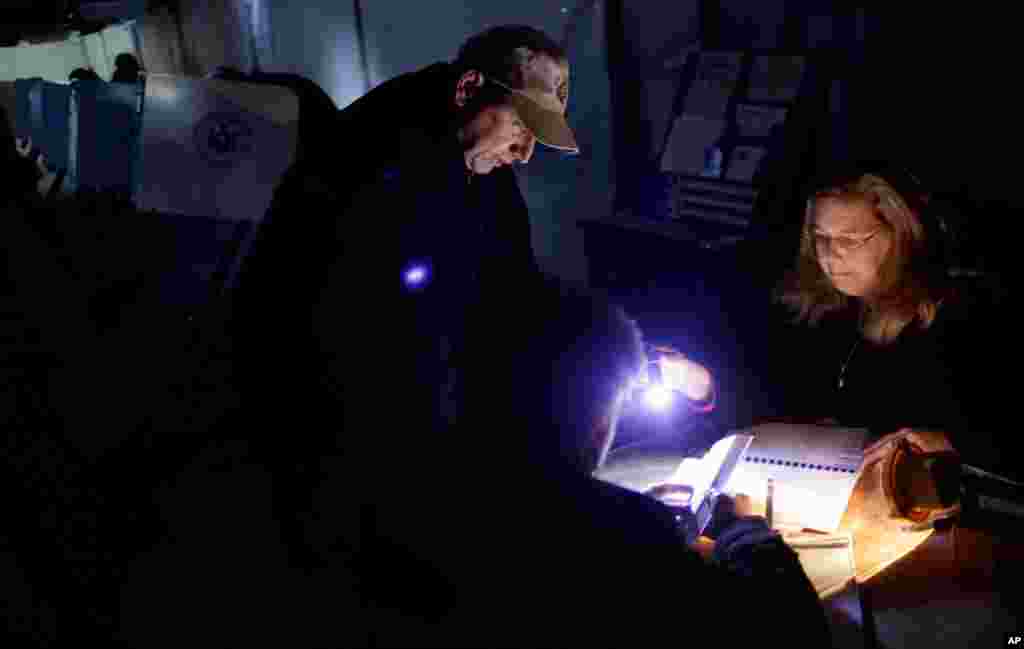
point(827, 559)
point(813, 469)
point(711, 473)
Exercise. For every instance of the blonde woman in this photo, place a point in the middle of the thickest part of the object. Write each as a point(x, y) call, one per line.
point(892, 342)
point(866, 244)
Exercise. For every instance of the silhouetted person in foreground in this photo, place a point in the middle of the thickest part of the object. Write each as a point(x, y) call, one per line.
point(496, 533)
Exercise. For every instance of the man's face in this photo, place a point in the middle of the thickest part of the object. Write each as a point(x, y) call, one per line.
point(497, 136)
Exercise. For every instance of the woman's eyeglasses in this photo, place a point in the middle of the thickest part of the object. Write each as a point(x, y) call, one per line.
point(844, 244)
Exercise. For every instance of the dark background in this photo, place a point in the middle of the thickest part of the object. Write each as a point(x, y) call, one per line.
point(930, 88)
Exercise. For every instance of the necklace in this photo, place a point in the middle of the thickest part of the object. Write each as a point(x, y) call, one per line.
point(853, 349)
point(846, 363)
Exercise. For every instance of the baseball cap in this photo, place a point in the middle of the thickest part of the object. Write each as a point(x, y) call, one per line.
point(543, 113)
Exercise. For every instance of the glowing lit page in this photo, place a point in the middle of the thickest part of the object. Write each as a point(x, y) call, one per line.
point(827, 559)
point(713, 471)
point(814, 469)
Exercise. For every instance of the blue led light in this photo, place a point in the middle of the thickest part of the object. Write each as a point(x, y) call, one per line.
point(416, 275)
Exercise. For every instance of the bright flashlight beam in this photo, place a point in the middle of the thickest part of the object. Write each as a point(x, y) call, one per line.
point(658, 397)
point(689, 378)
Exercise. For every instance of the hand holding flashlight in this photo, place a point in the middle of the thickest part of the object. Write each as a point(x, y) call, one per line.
point(677, 373)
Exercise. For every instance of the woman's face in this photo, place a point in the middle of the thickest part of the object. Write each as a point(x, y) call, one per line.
point(851, 244)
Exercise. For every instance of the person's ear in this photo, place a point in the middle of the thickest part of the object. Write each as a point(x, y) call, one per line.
point(469, 83)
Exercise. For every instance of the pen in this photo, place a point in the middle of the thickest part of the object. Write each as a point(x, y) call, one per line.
point(814, 544)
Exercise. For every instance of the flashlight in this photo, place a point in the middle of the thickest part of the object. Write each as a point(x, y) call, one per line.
point(670, 373)
point(658, 397)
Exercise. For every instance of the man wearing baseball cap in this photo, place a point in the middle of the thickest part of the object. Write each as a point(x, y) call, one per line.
point(350, 309)
point(415, 192)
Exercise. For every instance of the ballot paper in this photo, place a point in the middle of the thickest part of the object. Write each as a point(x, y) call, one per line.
point(828, 562)
point(641, 465)
point(826, 558)
point(813, 469)
point(711, 473)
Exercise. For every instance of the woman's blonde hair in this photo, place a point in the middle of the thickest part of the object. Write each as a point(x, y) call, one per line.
point(912, 283)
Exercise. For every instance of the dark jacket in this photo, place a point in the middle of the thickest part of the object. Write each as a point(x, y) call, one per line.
point(571, 561)
point(522, 561)
point(944, 377)
point(317, 111)
point(496, 536)
point(78, 406)
point(321, 295)
point(335, 357)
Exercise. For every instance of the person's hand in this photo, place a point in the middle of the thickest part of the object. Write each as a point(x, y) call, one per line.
point(727, 509)
point(922, 441)
point(743, 506)
point(24, 149)
point(41, 165)
point(682, 374)
point(44, 177)
point(704, 546)
point(47, 177)
point(24, 146)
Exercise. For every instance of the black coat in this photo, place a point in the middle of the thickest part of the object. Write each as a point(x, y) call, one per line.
point(335, 356)
point(567, 560)
point(320, 298)
point(945, 377)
